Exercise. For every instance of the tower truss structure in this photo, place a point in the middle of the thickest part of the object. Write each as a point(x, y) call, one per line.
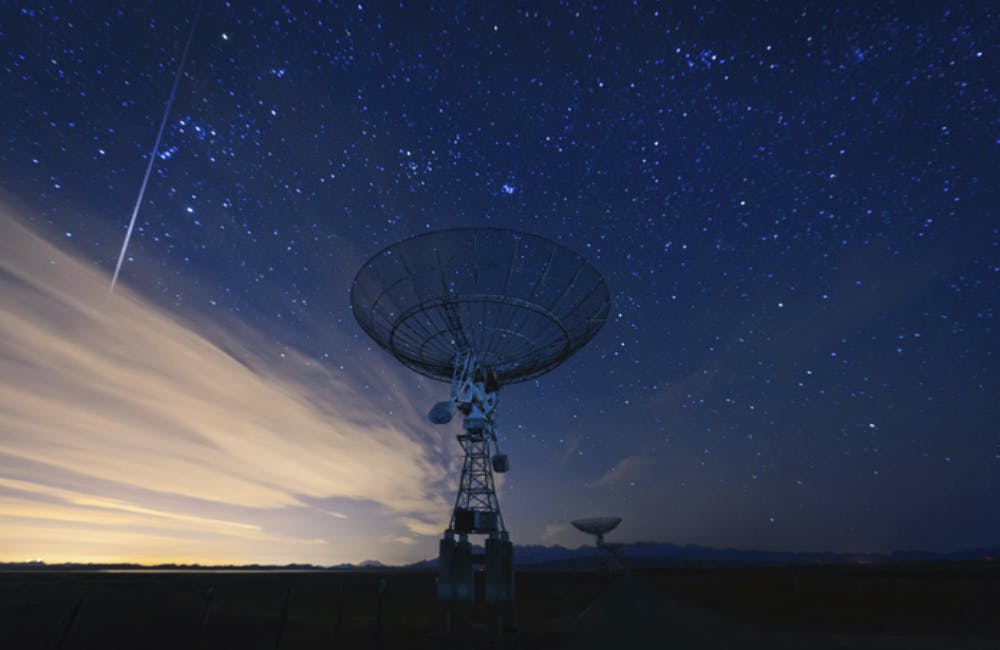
point(479, 308)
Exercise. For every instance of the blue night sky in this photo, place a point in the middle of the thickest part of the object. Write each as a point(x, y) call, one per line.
point(794, 205)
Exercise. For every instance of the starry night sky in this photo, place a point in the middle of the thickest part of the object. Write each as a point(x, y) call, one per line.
point(793, 204)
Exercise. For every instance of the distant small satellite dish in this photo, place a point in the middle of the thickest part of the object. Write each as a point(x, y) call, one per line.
point(442, 412)
point(597, 525)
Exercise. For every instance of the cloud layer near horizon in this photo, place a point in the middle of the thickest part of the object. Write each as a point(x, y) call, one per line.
point(130, 434)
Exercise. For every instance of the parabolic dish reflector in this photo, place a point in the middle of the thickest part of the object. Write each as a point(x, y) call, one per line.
point(521, 303)
point(597, 525)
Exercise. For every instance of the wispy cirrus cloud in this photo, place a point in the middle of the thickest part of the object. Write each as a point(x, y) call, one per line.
point(631, 468)
point(120, 421)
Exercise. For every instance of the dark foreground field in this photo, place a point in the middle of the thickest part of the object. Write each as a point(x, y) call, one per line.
point(859, 607)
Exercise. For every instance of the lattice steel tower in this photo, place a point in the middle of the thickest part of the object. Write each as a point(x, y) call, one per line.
point(479, 308)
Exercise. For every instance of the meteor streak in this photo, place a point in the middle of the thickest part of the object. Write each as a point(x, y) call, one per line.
point(152, 154)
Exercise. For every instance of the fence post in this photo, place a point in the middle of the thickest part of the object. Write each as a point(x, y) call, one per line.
point(340, 613)
point(204, 616)
point(284, 615)
point(382, 582)
point(69, 624)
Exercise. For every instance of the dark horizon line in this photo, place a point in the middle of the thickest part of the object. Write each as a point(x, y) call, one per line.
point(649, 553)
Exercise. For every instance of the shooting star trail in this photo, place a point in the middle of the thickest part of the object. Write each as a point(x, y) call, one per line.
point(154, 152)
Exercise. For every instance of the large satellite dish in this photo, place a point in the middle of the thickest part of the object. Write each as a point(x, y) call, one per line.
point(520, 303)
point(480, 308)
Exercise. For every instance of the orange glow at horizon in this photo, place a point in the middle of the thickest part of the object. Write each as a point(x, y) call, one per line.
point(131, 435)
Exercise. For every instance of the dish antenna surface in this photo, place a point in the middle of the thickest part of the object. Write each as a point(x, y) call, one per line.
point(599, 527)
point(479, 308)
point(520, 304)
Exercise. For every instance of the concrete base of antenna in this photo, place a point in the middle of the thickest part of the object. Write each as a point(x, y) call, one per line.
point(466, 577)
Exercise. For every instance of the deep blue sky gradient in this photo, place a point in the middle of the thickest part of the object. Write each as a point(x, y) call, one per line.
point(794, 205)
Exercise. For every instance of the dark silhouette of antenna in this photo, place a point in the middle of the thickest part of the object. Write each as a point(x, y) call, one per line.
point(599, 527)
point(479, 308)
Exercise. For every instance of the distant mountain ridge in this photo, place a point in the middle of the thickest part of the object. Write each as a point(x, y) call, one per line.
point(650, 554)
point(637, 554)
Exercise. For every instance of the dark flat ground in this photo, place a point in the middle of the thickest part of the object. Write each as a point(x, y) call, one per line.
point(952, 606)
